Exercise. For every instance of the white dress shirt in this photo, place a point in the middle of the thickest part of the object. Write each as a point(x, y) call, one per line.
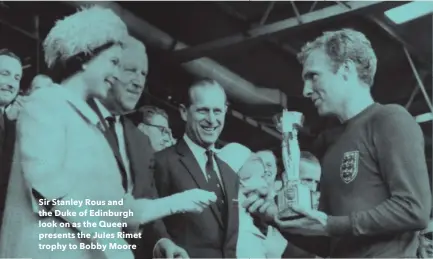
point(120, 135)
point(201, 157)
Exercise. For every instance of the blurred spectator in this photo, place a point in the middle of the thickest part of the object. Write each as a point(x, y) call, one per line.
point(10, 77)
point(154, 123)
point(309, 170)
point(255, 239)
point(270, 162)
point(40, 81)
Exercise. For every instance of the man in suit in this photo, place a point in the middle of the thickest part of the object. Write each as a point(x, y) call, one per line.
point(10, 77)
point(154, 123)
point(131, 148)
point(190, 164)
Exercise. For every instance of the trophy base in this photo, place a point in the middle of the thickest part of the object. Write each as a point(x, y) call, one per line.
point(288, 214)
point(287, 218)
point(293, 194)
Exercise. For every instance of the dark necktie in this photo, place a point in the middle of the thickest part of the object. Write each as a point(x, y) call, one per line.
point(112, 139)
point(214, 184)
point(112, 127)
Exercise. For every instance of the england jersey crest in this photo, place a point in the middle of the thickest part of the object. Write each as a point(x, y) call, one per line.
point(349, 166)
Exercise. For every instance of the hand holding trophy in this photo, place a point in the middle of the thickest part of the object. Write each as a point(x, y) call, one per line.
point(293, 192)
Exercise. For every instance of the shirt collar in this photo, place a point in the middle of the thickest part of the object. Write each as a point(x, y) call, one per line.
point(196, 149)
point(104, 111)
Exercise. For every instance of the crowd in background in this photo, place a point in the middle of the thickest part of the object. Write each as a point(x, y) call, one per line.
point(70, 136)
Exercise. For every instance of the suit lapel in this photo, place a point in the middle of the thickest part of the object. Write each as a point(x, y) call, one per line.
point(191, 165)
point(107, 133)
point(231, 188)
point(135, 155)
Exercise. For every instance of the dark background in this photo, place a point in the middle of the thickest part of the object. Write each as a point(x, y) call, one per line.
point(268, 62)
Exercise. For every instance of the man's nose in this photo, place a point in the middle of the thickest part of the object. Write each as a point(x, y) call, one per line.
point(307, 90)
point(116, 73)
point(138, 84)
point(211, 118)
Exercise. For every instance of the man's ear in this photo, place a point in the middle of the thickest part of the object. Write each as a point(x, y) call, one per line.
point(226, 108)
point(183, 112)
point(348, 69)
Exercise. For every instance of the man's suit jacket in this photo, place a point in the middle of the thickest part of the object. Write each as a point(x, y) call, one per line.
point(203, 235)
point(7, 144)
point(141, 159)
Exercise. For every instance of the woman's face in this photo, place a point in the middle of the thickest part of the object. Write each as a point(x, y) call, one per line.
point(252, 175)
point(102, 71)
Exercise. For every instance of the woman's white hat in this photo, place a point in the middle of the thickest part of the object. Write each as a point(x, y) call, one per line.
point(83, 32)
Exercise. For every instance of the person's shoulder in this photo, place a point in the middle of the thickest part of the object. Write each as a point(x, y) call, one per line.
point(46, 96)
point(385, 110)
point(46, 99)
point(394, 116)
point(166, 153)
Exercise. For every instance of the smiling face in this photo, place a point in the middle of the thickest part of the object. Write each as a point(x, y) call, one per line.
point(205, 116)
point(10, 77)
point(326, 88)
point(126, 92)
point(271, 166)
point(102, 71)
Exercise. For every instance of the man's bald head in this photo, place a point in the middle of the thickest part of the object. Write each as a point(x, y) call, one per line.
point(40, 81)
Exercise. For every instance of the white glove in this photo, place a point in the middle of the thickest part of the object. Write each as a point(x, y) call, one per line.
point(146, 210)
point(195, 200)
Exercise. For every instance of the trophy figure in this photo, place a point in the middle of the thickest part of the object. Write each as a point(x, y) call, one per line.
point(293, 192)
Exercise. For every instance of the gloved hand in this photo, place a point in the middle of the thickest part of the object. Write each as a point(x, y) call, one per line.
point(147, 210)
point(195, 200)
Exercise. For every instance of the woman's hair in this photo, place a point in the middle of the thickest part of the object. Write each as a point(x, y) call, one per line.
point(64, 69)
point(77, 38)
point(342, 45)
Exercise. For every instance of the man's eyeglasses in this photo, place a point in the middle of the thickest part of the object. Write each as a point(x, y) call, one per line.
point(162, 129)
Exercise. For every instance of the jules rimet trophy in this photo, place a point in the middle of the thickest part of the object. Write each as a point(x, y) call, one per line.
point(293, 192)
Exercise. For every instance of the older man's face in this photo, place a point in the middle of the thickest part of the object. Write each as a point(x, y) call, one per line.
point(10, 77)
point(205, 117)
point(125, 94)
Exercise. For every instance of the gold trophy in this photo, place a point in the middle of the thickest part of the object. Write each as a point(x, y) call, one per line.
point(293, 192)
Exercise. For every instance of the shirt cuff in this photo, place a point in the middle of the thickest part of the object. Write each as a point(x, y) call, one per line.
point(338, 226)
point(156, 245)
